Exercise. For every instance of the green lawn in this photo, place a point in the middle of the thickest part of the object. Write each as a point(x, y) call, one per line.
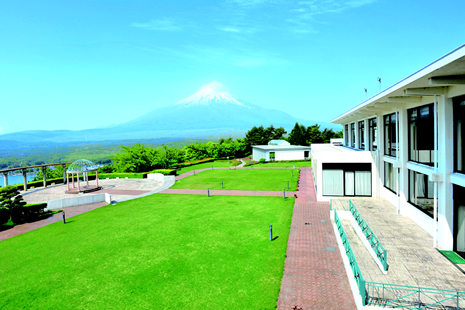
point(157, 252)
point(304, 163)
point(241, 179)
point(216, 163)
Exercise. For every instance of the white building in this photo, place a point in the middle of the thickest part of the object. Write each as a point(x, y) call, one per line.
point(405, 144)
point(280, 150)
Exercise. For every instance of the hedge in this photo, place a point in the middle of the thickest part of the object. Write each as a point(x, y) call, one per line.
point(195, 162)
point(164, 171)
point(142, 175)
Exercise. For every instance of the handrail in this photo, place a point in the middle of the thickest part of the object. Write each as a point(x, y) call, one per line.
point(376, 245)
point(412, 297)
point(352, 261)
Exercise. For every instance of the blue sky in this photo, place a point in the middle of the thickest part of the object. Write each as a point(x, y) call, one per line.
point(84, 64)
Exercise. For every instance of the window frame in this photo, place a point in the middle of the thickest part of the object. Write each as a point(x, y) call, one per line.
point(396, 173)
point(422, 125)
point(361, 135)
point(457, 102)
point(426, 191)
point(373, 133)
point(390, 130)
point(346, 137)
point(352, 134)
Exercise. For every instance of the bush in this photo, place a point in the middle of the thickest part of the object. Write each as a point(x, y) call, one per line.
point(106, 169)
point(32, 210)
point(164, 171)
point(262, 160)
point(236, 162)
point(253, 162)
point(121, 175)
point(195, 162)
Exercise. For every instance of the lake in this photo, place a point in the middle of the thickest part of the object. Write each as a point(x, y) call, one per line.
point(15, 179)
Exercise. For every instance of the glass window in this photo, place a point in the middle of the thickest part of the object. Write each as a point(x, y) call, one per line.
point(390, 177)
point(459, 133)
point(272, 155)
point(348, 179)
point(421, 192)
point(373, 134)
point(352, 129)
point(346, 135)
point(390, 145)
point(361, 135)
point(421, 134)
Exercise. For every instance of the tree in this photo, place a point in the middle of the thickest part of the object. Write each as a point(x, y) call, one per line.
point(10, 199)
point(135, 158)
point(298, 135)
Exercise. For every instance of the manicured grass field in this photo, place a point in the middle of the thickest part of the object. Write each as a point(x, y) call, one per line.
point(157, 252)
point(241, 179)
point(216, 163)
point(304, 163)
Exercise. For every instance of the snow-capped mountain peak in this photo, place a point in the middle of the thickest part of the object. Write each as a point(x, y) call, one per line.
point(210, 93)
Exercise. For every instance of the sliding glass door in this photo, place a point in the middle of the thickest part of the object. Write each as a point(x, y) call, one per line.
point(350, 179)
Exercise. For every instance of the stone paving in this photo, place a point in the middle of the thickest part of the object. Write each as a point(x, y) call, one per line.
point(314, 275)
point(411, 257)
point(119, 189)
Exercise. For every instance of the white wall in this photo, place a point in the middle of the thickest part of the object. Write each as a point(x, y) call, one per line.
point(77, 200)
point(289, 155)
point(258, 154)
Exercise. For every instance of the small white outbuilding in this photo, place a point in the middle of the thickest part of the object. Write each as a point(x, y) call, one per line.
point(280, 150)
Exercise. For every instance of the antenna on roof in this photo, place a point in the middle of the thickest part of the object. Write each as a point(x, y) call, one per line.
point(379, 80)
point(366, 94)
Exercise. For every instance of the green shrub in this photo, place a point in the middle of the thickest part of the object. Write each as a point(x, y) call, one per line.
point(121, 175)
point(262, 160)
point(253, 162)
point(236, 162)
point(11, 200)
point(164, 171)
point(195, 162)
point(106, 169)
point(32, 210)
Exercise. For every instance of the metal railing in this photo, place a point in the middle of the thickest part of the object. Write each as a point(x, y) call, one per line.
point(376, 245)
point(352, 261)
point(410, 297)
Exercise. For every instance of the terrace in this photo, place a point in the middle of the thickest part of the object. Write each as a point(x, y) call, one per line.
point(411, 259)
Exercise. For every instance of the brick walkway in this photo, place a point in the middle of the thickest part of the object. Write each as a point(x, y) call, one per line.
point(227, 192)
point(314, 275)
point(70, 212)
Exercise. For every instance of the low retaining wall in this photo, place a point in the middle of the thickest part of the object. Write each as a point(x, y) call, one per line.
point(78, 200)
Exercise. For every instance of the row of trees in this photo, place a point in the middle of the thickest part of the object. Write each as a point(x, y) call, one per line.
point(300, 135)
point(140, 158)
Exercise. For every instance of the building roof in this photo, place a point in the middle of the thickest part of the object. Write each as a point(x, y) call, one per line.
point(281, 148)
point(429, 80)
point(279, 143)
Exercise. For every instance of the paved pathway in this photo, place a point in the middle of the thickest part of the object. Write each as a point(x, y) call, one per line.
point(314, 275)
point(411, 257)
point(228, 192)
point(70, 212)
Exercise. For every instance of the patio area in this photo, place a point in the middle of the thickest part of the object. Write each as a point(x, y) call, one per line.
point(411, 258)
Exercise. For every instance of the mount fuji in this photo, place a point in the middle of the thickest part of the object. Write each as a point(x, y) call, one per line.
point(211, 111)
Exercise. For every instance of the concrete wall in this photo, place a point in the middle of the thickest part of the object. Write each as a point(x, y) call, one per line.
point(156, 176)
point(259, 154)
point(78, 200)
point(289, 155)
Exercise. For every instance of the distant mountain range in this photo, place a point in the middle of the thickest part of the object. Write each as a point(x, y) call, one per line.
point(212, 111)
